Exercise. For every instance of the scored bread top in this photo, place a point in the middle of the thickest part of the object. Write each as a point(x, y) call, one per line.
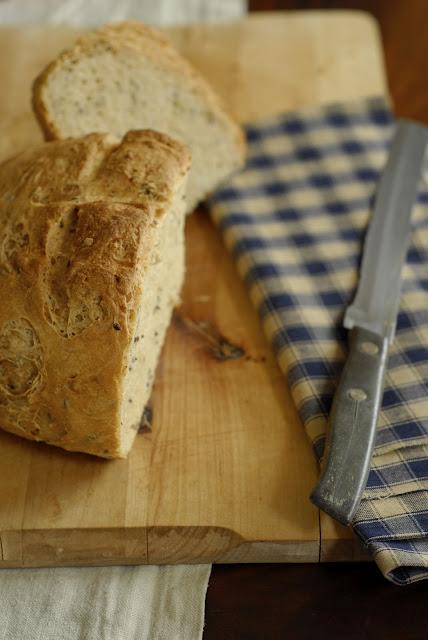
point(77, 222)
point(128, 76)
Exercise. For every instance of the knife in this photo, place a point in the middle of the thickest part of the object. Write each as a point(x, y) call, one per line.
point(372, 319)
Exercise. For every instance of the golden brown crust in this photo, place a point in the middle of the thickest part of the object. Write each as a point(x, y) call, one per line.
point(147, 41)
point(77, 221)
point(48, 128)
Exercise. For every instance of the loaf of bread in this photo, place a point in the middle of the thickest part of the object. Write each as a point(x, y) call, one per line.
point(91, 265)
point(128, 76)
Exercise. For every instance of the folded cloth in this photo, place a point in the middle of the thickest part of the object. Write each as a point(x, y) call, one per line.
point(295, 221)
point(103, 603)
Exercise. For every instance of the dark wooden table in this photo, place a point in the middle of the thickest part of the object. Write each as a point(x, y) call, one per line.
point(349, 601)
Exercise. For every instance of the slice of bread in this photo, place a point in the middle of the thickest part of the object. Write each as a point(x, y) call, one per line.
point(91, 266)
point(128, 76)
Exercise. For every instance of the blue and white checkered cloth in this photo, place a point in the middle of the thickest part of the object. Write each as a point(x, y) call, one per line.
point(295, 221)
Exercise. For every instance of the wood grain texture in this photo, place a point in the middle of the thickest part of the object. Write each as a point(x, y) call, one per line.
point(225, 473)
point(404, 31)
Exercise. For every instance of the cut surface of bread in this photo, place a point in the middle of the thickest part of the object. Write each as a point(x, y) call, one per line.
point(91, 266)
point(128, 76)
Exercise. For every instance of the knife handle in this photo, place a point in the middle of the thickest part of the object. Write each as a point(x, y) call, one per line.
point(352, 427)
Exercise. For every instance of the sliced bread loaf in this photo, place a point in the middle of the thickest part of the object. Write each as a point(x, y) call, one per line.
point(91, 265)
point(128, 76)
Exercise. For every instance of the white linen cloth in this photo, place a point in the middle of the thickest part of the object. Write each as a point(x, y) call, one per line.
point(94, 12)
point(107, 603)
point(103, 603)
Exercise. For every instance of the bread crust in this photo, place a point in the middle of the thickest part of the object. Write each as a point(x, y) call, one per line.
point(146, 41)
point(78, 219)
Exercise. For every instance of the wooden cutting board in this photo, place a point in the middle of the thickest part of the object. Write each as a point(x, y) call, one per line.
point(224, 474)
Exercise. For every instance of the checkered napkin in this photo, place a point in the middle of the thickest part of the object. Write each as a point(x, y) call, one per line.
point(295, 221)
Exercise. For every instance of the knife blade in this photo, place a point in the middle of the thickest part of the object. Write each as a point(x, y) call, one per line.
point(372, 320)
